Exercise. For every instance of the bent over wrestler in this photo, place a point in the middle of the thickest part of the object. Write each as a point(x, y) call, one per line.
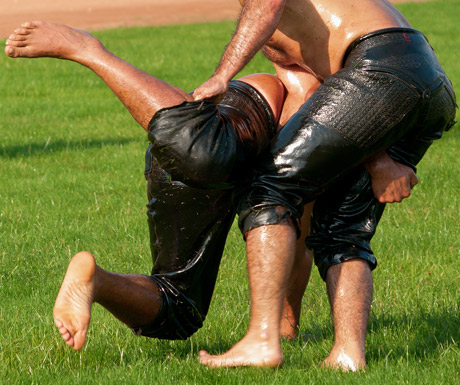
point(201, 144)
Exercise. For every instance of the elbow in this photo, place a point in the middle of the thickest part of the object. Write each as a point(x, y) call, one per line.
point(270, 8)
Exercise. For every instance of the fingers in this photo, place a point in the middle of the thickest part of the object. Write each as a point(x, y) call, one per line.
point(394, 192)
point(197, 95)
point(206, 95)
point(413, 180)
point(405, 189)
point(213, 95)
point(214, 88)
point(393, 183)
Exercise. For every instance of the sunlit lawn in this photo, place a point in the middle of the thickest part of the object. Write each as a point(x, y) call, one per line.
point(71, 161)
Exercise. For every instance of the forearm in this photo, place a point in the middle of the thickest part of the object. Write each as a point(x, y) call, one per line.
point(377, 162)
point(257, 23)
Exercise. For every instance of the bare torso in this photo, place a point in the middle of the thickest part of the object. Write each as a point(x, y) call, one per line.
point(314, 34)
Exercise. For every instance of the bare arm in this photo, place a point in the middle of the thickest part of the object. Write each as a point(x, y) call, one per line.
point(257, 23)
point(391, 181)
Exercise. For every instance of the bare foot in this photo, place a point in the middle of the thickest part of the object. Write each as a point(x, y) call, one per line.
point(339, 359)
point(72, 310)
point(42, 39)
point(245, 353)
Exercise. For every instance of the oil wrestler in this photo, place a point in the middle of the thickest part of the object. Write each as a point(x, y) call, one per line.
point(381, 86)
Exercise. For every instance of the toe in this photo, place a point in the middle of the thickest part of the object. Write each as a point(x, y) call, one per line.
point(65, 335)
point(10, 51)
point(79, 340)
point(22, 31)
point(15, 43)
point(14, 37)
point(203, 357)
point(70, 342)
point(29, 25)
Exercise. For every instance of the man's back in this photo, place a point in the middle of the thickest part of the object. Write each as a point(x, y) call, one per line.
point(314, 34)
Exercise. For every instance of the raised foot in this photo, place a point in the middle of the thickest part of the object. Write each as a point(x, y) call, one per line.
point(244, 354)
point(42, 39)
point(72, 309)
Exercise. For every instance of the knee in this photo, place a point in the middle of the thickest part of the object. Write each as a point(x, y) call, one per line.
point(328, 263)
point(273, 215)
point(176, 321)
point(180, 316)
point(349, 269)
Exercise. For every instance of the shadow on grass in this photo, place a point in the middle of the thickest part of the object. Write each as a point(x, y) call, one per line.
point(56, 146)
point(420, 335)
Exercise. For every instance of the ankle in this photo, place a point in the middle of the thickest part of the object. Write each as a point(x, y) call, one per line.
point(264, 334)
point(85, 49)
point(349, 357)
point(98, 283)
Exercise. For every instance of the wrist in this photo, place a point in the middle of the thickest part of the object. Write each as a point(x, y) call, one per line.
point(377, 163)
point(223, 75)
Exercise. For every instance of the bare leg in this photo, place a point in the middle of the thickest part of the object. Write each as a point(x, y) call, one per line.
point(133, 299)
point(349, 287)
point(269, 265)
point(290, 320)
point(141, 93)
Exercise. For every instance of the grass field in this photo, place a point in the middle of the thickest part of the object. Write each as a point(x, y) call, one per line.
point(71, 161)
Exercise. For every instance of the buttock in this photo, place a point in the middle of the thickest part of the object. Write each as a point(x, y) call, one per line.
point(213, 146)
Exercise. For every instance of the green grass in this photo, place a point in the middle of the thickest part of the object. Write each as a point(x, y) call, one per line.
point(71, 161)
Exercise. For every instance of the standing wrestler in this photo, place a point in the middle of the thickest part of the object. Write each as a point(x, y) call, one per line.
point(381, 86)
